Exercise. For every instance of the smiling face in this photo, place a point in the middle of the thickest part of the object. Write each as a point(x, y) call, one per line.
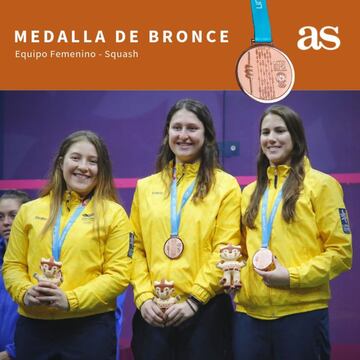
point(186, 136)
point(8, 211)
point(80, 167)
point(275, 140)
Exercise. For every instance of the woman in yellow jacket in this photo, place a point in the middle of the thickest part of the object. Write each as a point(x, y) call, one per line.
point(182, 215)
point(76, 226)
point(297, 238)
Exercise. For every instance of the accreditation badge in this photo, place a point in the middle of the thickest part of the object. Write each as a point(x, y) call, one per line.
point(265, 73)
point(173, 247)
point(264, 260)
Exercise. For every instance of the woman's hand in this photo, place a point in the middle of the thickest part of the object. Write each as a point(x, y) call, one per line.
point(279, 277)
point(152, 314)
point(178, 313)
point(46, 293)
point(31, 297)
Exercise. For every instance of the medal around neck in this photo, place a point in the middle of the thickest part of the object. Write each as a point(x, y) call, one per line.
point(264, 260)
point(264, 72)
point(173, 247)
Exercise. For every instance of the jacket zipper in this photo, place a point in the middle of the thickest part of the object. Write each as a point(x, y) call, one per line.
point(67, 202)
point(182, 175)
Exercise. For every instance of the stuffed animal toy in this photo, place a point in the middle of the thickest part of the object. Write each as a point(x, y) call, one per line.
point(51, 271)
point(163, 290)
point(231, 266)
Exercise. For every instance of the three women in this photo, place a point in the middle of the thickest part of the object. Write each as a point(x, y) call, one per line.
point(181, 216)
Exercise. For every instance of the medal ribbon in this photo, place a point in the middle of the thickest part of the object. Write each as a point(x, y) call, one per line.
point(174, 215)
point(266, 225)
point(58, 239)
point(261, 21)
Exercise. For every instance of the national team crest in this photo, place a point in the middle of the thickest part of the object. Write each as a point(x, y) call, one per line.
point(344, 221)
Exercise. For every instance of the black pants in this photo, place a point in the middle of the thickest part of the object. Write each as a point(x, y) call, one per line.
point(88, 338)
point(207, 335)
point(303, 336)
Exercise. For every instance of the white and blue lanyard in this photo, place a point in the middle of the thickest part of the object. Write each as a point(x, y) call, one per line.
point(174, 215)
point(261, 21)
point(266, 224)
point(58, 239)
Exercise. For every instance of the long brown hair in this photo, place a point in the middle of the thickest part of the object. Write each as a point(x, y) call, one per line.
point(209, 156)
point(294, 181)
point(56, 186)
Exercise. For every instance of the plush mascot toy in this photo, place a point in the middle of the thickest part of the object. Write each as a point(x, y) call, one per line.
point(164, 290)
point(51, 271)
point(231, 265)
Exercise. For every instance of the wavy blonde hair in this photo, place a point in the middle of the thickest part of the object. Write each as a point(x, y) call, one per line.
point(56, 186)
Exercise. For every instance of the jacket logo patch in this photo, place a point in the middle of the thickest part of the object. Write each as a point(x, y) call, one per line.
point(88, 216)
point(344, 221)
point(40, 217)
point(131, 245)
point(157, 193)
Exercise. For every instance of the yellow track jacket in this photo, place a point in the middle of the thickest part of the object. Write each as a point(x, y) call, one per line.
point(204, 227)
point(95, 263)
point(315, 247)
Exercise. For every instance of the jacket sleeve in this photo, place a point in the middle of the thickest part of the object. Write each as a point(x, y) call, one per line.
point(334, 231)
point(15, 268)
point(140, 278)
point(116, 270)
point(227, 231)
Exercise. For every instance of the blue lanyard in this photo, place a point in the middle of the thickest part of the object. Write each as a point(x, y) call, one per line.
point(58, 239)
point(174, 215)
point(266, 225)
point(261, 21)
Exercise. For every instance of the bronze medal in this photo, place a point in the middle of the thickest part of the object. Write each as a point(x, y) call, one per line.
point(265, 73)
point(263, 260)
point(173, 247)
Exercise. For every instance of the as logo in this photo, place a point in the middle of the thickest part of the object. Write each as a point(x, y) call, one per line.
point(326, 38)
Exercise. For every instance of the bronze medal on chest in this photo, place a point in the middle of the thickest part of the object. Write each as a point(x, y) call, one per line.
point(263, 260)
point(173, 247)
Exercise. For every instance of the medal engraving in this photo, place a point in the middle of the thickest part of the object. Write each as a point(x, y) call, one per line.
point(263, 260)
point(265, 73)
point(173, 247)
